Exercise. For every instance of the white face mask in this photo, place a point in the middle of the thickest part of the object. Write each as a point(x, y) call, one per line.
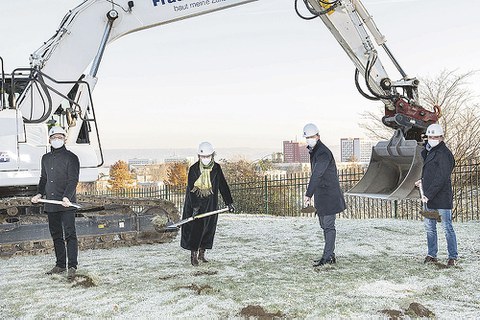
point(433, 143)
point(57, 143)
point(311, 142)
point(206, 161)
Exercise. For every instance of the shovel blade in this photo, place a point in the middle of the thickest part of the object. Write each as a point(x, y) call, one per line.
point(394, 167)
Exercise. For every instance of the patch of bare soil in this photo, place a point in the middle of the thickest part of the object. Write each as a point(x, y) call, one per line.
point(414, 310)
point(205, 273)
point(84, 281)
point(417, 310)
point(198, 289)
point(440, 265)
point(392, 314)
point(169, 276)
point(258, 312)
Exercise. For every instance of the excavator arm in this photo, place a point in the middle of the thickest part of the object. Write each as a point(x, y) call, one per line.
point(353, 28)
point(395, 164)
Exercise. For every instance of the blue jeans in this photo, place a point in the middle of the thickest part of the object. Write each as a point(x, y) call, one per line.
point(432, 241)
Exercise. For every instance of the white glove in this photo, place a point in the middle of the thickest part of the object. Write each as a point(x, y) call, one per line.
point(36, 198)
point(306, 201)
point(66, 202)
point(424, 199)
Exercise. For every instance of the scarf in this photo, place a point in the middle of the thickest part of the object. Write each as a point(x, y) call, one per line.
point(203, 186)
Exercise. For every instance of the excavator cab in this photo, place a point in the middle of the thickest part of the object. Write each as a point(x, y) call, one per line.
point(394, 167)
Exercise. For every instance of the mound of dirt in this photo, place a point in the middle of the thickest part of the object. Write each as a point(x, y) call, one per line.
point(417, 310)
point(414, 310)
point(84, 281)
point(392, 314)
point(259, 313)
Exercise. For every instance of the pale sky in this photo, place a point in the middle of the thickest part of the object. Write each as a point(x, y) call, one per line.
point(249, 76)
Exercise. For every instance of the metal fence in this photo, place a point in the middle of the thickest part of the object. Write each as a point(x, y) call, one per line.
point(283, 196)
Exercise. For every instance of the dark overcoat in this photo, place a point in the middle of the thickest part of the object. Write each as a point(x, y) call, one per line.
point(200, 232)
point(437, 170)
point(59, 178)
point(324, 184)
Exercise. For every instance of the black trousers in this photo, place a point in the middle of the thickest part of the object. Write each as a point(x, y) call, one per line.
point(64, 235)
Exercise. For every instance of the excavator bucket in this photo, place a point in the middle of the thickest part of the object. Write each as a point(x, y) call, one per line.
point(394, 167)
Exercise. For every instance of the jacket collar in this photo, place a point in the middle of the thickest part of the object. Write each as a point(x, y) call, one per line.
point(62, 148)
point(315, 147)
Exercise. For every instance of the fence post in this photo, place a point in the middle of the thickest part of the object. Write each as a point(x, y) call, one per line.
point(266, 194)
point(395, 208)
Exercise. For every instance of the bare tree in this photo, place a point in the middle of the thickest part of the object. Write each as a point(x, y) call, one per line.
point(460, 113)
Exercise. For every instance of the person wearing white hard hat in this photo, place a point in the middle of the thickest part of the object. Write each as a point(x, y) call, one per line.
point(58, 181)
point(436, 184)
point(205, 181)
point(324, 187)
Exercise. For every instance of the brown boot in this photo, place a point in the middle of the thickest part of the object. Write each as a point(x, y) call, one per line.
point(201, 255)
point(194, 258)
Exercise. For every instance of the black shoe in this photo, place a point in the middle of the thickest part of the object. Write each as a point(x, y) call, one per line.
point(322, 262)
point(451, 263)
point(333, 259)
point(56, 270)
point(72, 272)
point(429, 259)
point(194, 258)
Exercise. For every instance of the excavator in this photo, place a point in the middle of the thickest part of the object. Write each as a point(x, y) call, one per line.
point(56, 89)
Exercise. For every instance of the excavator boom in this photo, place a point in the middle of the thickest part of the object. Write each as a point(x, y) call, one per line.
point(394, 164)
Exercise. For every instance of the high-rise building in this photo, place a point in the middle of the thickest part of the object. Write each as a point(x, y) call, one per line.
point(295, 152)
point(355, 150)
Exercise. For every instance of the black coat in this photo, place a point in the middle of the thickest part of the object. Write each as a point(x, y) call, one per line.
point(324, 184)
point(59, 178)
point(438, 165)
point(200, 232)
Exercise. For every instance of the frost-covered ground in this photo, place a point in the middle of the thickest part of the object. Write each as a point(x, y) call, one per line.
point(257, 260)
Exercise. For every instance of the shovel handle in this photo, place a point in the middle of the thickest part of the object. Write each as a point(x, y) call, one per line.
point(59, 202)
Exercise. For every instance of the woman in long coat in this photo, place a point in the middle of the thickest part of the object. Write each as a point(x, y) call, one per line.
point(205, 181)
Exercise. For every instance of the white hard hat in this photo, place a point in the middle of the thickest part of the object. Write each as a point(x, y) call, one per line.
point(56, 130)
point(205, 149)
point(434, 130)
point(310, 130)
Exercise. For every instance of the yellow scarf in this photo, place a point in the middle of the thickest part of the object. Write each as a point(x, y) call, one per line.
point(203, 186)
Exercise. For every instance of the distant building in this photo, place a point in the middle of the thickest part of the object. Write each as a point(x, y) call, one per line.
point(355, 150)
point(140, 162)
point(295, 152)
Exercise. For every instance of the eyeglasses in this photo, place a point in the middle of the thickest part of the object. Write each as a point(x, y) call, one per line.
point(57, 136)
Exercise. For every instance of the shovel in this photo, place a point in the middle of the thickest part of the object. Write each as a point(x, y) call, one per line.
point(174, 226)
point(430, 214)
point(59, 202)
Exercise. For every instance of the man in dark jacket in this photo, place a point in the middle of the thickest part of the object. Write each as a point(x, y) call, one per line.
point(437, 192)
point(205, 180)
point(325, 188)
point(58, 181)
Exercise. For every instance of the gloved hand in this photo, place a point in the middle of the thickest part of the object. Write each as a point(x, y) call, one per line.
point(195, 211)
point(231, 208)
point(36, 198)
point(66, 202)
point(306, 201)
point(424, 199)
point(418, 183)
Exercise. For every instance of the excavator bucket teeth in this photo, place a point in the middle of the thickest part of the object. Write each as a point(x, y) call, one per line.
point(394, 167)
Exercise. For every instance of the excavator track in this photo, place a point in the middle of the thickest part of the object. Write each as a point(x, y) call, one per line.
point(103, 222)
